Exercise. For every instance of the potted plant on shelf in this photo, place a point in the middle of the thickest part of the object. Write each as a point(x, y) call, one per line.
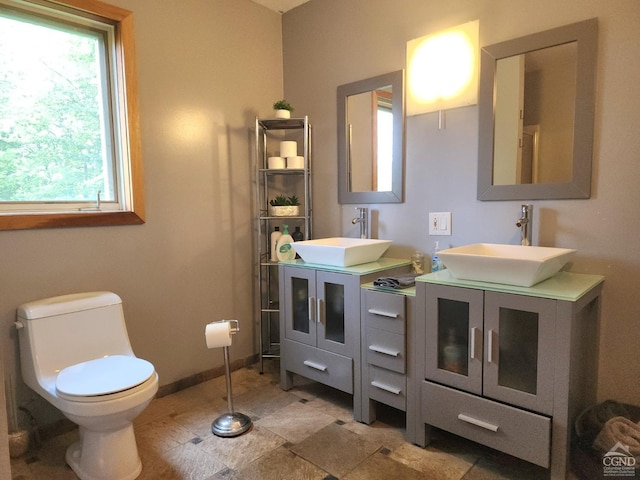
point(282, 206)
point(283, 109)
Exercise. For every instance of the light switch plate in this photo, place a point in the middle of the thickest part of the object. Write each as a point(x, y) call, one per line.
point(439, 223)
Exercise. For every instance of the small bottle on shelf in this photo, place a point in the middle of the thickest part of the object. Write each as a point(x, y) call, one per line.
point(275, 235)
point(435, 261)
point(417, 262)
point(297, 237)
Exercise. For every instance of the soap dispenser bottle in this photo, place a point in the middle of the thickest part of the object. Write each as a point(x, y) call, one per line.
point(284, 251)
point(435, 261)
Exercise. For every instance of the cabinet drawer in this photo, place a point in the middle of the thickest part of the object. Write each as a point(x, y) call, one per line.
point(325, 367)
point(519, 433)
point(385, 311)
point(386, 349)
point(387, 387)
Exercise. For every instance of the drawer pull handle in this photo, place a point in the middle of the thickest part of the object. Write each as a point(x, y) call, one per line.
point(478, 423)
point(383, 313)
point(490, 346)
point(319, 311)
point(317, 366)
point(312, 309)
point(386, 388)
point(474, 332)
point(384, 351)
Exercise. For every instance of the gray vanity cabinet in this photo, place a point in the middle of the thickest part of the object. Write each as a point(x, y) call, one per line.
point(320, 323)
point(508, 367)
point(492, 344)
point(316, 311)
point(385, 318)
point(321, 326)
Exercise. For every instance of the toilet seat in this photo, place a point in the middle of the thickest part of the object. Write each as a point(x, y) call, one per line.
point(112, 375)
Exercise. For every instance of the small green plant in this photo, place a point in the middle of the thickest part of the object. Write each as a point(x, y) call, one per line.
point(282, 105)
point(282, 201)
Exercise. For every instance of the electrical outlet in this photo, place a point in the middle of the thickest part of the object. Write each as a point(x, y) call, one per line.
point(439, 223)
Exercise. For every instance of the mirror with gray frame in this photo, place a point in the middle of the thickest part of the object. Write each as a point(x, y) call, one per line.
point(371, 140)
point(536, 114)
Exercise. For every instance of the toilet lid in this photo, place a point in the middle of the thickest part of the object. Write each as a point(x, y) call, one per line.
point(103, 376)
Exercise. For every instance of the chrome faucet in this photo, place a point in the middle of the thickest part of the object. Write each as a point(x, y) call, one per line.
point(362, 220)
point(525, 223)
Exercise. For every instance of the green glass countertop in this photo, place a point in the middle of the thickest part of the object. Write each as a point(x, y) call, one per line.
point(381, 264)
point(562, 286)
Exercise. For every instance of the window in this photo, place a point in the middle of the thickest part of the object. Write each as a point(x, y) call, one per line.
point(69, 139)
point(384, 148)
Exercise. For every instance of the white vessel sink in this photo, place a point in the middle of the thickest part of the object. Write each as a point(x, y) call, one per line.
point(341, 251)
point(506, 264)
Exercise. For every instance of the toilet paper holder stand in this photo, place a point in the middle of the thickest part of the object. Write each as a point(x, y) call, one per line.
point(230, 424)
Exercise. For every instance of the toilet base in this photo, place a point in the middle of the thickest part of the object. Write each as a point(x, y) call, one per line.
point(111, 455)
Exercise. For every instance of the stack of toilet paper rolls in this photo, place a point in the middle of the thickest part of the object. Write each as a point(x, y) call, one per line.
point(289, 150)
point(288, 158)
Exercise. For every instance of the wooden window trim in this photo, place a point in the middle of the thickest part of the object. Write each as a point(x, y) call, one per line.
point(127, 84)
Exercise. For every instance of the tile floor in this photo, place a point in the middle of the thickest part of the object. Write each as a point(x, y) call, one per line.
point(305, 433)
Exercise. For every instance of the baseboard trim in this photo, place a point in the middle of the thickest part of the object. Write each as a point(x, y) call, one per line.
point(201, 377)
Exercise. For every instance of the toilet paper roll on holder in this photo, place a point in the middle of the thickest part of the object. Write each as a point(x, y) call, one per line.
point(230, 424)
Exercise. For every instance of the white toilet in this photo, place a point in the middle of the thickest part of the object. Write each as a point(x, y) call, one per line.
point(75, 352)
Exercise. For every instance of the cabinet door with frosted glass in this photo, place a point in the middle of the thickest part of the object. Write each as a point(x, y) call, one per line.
point(453, 350)
point(338, 312)
point(519, 350)
point(300, 305)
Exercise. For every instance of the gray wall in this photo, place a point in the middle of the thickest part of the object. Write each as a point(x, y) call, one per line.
point(327, 43)
point(206, 69)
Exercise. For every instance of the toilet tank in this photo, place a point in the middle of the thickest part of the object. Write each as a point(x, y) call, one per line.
point(61, 331)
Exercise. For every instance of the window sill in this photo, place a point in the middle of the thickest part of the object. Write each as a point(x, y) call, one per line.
point(59, 220)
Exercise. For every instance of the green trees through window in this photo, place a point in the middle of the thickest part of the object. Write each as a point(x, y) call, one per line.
point(52, 145)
